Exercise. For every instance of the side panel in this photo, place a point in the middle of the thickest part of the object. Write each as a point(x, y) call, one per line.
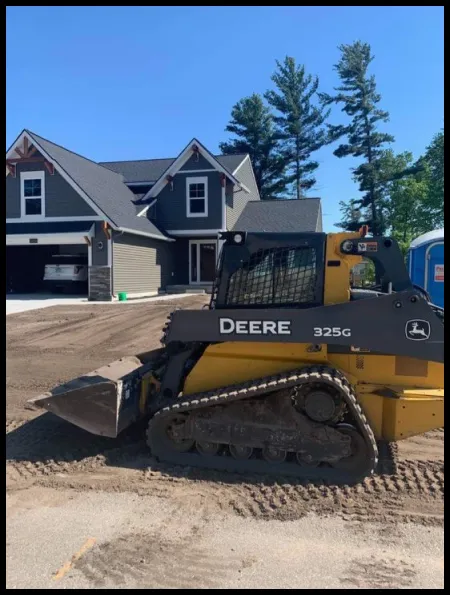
point(402, 324)
point(140, 265)
point(394, 405)
point(417, 266)
point(435, 273)
point(61, 200)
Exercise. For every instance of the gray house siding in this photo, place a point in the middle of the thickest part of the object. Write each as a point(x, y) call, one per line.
point(192, 163)
point(171, 206)
point(180, 250)
point(140, 265)
point(61, 200)
point(237, 199)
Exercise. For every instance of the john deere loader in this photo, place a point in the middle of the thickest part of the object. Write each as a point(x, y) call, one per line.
point(290, 370)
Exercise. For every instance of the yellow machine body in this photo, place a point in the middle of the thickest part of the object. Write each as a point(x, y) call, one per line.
point(400, 396)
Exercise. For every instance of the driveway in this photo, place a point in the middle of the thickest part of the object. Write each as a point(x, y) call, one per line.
point(23, 302)
point(16, 303)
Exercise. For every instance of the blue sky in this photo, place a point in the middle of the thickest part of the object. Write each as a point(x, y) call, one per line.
point(139, 82)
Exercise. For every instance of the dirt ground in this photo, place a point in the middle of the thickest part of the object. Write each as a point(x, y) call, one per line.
point(60, 462)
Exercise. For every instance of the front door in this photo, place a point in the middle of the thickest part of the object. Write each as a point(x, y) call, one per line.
point(202, 261)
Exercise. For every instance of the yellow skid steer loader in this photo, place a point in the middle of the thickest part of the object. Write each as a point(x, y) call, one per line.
point(289, 371)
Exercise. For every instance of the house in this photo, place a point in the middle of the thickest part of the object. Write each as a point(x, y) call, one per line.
point(141, 226)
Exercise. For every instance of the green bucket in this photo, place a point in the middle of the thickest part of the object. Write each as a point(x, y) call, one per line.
point(122, 296)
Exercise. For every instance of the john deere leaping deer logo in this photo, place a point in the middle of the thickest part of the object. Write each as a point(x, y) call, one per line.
point(418, 330)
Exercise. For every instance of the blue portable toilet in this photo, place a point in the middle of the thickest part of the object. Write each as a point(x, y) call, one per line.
point(425, 261)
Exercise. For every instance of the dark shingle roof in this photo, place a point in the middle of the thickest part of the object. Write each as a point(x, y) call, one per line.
point(150, 170)
point(104, 187)
point(281, 216)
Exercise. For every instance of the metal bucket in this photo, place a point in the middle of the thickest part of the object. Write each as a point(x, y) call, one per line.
point(105, 401)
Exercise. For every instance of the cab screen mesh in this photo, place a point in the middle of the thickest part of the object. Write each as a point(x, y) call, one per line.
point(275, 276)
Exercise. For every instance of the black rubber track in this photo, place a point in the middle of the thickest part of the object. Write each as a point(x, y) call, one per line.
point(246, 390)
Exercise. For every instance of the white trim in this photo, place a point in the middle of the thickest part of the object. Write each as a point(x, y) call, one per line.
point(246, 158)
point(193, 171)
point(110, 249)
point(32, 175)
point(199, 243)
point(224, 206)
point(29, 219)
point(147, 207)
point(140, 183)
point(89, 257)
point(193, 232)
point(196, 180)
point(181, 160)
point(46, 239)
point(427, 263)
point(60, 170)
point(253, 176)
point(145, 234)
point(244, 187)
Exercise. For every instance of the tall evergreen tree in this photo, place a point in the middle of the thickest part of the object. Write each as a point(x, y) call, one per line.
point(299, 122)
point(252, 123)
point(433, 166)
point(359, 100)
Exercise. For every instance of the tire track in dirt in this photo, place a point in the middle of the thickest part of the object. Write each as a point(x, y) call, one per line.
point(44, 349)
point(365, 573)
point(59, 455)
point(148, 559)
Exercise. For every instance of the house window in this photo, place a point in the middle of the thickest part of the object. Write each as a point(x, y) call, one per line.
point(32, 193)
point(197, 197)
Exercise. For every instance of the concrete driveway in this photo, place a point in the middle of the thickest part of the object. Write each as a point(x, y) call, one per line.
point(22, 302)
point(16, 303)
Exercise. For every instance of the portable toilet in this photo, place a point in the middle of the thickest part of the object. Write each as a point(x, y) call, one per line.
point(425, 261)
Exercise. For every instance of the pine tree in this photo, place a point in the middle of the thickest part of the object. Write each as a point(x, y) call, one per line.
point(433, 166)
point(252, 123)
point(299, 122)
point(359, 99)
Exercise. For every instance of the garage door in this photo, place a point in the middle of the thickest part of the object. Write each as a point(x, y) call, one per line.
point(25, 265)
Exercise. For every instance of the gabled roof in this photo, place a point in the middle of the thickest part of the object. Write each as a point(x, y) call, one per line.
point(150, 170)
point(183, 158)
point(281, 215)
point(105, 189)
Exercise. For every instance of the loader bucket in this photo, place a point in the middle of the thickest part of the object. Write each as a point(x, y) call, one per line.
point(105, 401)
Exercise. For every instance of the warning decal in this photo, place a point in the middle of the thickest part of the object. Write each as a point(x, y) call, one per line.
point(439, 272)
point(367, 246)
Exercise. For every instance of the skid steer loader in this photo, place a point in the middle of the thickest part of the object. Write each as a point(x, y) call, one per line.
point(289, 371)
